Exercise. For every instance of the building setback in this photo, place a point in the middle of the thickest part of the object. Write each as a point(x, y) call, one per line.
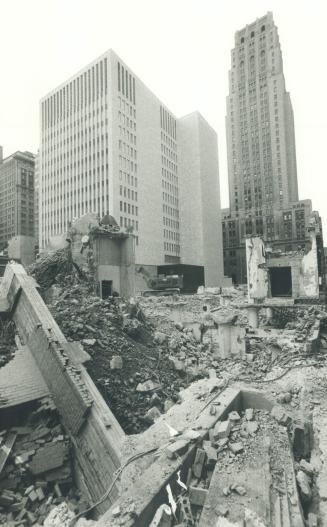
point(16, 196)
point(108, 144)
point(262, 174)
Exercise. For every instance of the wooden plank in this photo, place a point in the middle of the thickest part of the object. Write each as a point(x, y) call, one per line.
point(6, 448)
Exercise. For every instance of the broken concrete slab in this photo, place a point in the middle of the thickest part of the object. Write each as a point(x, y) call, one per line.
point(236, 448)
point(177, 448)
point(222, 429)
point(199, 460)
point(197, 496)
point(280, 415)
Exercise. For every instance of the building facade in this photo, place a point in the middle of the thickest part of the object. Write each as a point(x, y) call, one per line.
point(109, 145)
point(16, 196)
point(36, 200)
point(262, 173)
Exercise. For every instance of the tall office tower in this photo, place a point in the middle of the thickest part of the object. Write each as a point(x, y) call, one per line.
point(36, 199)
point(108, 144)
point(263, 189)
point(16, 196)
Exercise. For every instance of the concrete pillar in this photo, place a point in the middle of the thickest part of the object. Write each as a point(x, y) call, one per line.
point(253, 317)
point(269, 314)
point(224, 335)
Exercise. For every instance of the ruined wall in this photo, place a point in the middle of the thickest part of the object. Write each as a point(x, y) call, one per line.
point(115, 260)
point(22, 248)
point(256, 269)
point(110, 272)
point(309, 277)
point(127, 269)
point(95, 432)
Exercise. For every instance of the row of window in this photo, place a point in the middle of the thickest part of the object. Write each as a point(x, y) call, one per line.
point(168, 122)
point(128, 208)
point(80, 92)
point(126, 83)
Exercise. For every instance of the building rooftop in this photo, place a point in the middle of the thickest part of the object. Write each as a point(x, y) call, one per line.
point(26, 156)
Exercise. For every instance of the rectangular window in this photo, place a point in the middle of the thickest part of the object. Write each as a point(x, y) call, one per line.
point(123, 80)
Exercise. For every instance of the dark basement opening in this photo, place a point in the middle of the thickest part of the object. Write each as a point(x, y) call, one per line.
point(281, 281)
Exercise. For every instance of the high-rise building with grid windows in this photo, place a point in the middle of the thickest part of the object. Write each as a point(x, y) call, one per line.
point(16, 196)
point(108, 144)
point(262, 173)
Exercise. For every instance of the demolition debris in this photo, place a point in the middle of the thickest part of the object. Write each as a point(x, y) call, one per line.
point(224, 421)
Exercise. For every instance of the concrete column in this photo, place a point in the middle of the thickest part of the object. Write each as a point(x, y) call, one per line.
point(269, 313)
point(253, 317)
point(224, 335)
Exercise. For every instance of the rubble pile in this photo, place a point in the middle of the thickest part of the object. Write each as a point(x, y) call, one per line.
point(130, 362)
point(241, 459)
point(52, 267)
point(35, 469)
point(299, 319)
point(7, 341)
point(143, 354)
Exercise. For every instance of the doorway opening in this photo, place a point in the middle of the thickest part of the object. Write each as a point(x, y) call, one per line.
point(106, 288)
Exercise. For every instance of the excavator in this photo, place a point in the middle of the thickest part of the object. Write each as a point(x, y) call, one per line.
point(161, 285)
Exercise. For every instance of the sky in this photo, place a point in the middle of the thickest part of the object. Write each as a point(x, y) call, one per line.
point(180, 49)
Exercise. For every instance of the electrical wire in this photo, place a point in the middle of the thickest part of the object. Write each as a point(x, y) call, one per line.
point(108, 491)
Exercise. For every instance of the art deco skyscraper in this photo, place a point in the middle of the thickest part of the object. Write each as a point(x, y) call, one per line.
point(260, 128)
point(263, 189)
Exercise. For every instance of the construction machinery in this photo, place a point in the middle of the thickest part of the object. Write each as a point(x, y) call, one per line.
point(162, 284)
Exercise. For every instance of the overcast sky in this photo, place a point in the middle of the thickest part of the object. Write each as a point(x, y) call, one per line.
point(181, 51)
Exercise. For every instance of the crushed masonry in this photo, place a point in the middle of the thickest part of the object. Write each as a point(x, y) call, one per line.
point(229, 414)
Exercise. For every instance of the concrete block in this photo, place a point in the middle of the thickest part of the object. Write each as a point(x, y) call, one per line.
point(40, 494)
point(33, 496)
point(252, 427)
point(236, 448)
point(178, 448)
point(249, 414)
point(199, 460)
point(197, 496)
point(116, 362)
point(211, 455)
point(234, 417)
point(222, 429)
point(152, 414)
